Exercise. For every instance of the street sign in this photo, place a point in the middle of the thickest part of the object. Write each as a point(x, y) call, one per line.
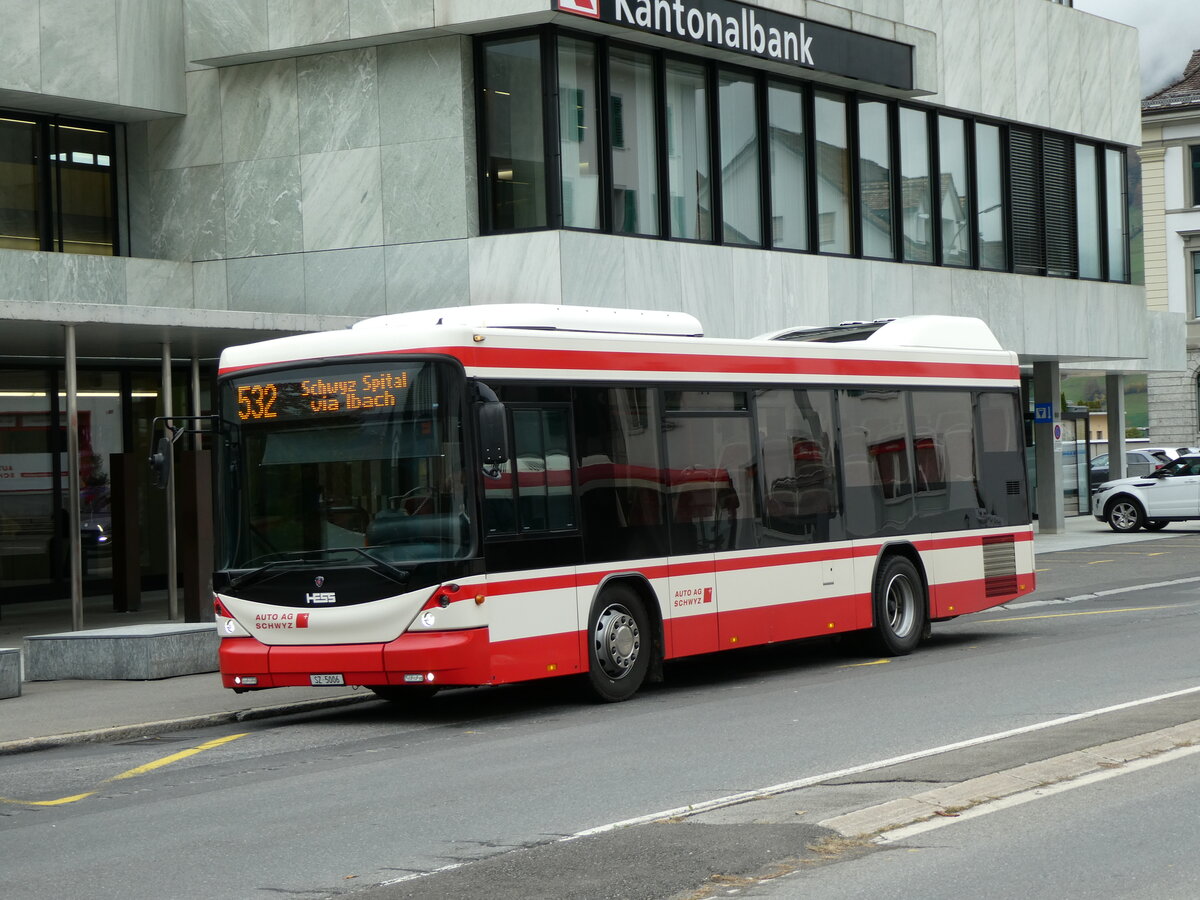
point(1043, 413)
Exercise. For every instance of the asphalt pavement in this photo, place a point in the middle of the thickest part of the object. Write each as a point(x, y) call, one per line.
point(54, 713)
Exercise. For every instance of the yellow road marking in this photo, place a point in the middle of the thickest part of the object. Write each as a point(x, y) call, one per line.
point(176, 757)
point(1094, 612)
point(132, 773)
point(1159, 553)
point(878, 662)
point(58, 802)
point(1096, 562)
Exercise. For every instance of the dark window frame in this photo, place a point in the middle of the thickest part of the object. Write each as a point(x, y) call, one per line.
point(548, 37)
point(49, 171)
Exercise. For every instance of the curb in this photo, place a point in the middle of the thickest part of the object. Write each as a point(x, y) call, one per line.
point(878, 821)
point(144, 729)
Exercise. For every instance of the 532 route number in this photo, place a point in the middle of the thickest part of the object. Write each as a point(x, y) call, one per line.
point(257, 401)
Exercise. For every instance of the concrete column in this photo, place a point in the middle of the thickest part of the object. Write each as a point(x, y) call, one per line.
point(1047, 389)
point(172, 558)
point(197, 440)
point(74, 541)
point(1114, 390)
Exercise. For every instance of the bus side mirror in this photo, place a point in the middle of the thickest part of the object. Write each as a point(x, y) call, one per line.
point(160, 463)
point(493, 432)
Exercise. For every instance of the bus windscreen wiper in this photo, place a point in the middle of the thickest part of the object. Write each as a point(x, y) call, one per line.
point(307, 559)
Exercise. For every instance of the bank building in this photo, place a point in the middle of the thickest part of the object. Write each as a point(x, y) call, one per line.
point(184, 175)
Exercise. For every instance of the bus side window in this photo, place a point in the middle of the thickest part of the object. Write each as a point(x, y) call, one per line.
point(799, 465)
point(620, 481)
point(545, 493)
point(877, 461)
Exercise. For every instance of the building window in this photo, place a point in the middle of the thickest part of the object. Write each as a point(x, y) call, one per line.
point(1135, 232)
point(57, 186)
point(1058, 191)
point(789, 166)
point(514, 176)
point(1195, 284)
point(916, 195)
point(1194, 153)
point(633, 126)
point(875, 180)
point(992, 245)
point(954, 192)
point(741, 183)
point(1025, 175)
point(1087, 210)
point(1042, 177)
point(1114, 214)
point(1198, 404)
point(688, 151)
point(833, 172)
point(578, 135)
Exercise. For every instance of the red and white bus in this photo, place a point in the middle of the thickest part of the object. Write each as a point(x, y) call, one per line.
point(491, 494)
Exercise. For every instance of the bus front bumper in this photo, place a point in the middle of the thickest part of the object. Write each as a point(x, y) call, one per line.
point(429, 657)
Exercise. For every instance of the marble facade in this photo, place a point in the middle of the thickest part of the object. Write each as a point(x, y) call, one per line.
point(318, 158)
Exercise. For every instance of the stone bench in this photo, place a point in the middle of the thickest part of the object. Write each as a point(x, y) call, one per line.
point(10, 672)
point(127, 653)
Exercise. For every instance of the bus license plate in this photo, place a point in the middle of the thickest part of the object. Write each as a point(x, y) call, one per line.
point(326, 679)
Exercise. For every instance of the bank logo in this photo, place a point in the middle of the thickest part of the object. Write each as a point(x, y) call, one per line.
point(589, 8)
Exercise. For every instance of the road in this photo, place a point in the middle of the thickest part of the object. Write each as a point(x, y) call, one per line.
point(341, 802)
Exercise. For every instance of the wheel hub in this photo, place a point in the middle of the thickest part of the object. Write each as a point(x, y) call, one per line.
point(900, 605)
point(617, 641)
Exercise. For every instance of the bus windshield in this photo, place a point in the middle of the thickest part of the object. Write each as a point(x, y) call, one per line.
point(364, 457)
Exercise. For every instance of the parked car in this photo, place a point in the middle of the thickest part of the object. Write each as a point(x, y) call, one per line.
point(1137, 462)
point(1171, 493)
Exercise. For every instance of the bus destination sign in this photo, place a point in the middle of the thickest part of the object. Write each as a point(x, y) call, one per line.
point(308, 397)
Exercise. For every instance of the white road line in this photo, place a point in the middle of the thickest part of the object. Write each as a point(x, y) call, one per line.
point(417, 875)
point(900, 834)
point(1108, 593)
point(745, 796)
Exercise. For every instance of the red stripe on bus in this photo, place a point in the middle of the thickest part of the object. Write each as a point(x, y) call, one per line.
point(592, 361)
point(706, 567)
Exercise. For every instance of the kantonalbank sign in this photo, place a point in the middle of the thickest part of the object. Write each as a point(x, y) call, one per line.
point(764, 33)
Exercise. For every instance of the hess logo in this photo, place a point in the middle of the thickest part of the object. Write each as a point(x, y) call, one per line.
point(589, 8)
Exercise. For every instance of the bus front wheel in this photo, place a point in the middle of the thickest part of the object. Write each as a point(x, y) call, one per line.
point(899, 606)
point(619, 644)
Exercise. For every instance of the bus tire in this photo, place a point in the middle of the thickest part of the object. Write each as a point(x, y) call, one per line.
point(404, 695)
point(620, 644)
point(899, 605)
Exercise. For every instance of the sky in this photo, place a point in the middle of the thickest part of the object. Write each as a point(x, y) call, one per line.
point(1169, 31)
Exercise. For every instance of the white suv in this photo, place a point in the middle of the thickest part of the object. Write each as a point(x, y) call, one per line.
point(1171, 493)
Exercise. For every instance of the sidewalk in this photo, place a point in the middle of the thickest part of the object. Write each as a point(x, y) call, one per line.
point(49, 713)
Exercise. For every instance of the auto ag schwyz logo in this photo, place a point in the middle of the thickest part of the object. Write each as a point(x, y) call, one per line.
point(589, 8)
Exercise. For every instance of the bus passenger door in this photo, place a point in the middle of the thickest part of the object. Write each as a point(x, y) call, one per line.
point(532, 547)
point(709, 477)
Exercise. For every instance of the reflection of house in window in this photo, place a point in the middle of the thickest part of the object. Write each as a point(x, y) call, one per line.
point(741, 204)
point(931, 471)
point(891, 466)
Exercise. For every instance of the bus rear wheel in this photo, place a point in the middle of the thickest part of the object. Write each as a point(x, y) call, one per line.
point(900, 606)
point(619, 644)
